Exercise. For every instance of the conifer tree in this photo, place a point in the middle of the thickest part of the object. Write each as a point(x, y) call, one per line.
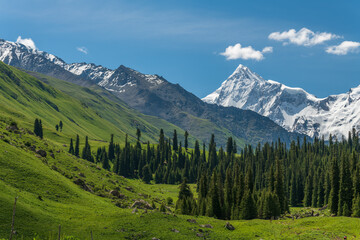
point(345, 188)
point(41, 135)
point(57, 127)
point(146, 173)
point(175, 141)
point(71, 148)
point(138, 134)
point(293, 191)
point(334, 193)
point(77, 146)
point(105, 160)
point(356, 207)
point(111, 150)
point(186, 144)
point(247, 207)
point(185, 202)
point(61, 125)
point(213, 208)
point(36, 127)
point(86, 152)
point(162, 140)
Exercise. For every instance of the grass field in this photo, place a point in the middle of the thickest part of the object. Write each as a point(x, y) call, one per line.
point(47, 198)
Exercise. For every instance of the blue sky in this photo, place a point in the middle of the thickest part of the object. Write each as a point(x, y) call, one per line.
point(186, 41)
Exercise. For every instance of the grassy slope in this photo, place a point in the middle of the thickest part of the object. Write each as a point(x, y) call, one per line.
point(197, 127)
point(80, 212)
point(82, 110)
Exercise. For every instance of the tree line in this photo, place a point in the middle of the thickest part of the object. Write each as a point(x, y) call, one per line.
point(260, 182)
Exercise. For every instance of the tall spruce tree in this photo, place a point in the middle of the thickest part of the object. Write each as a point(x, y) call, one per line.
point(77, 147)
point(175, 141)
point(186, 143)
point(111, 150)
point(345, 188)
point(335, 182)
point(71, 148)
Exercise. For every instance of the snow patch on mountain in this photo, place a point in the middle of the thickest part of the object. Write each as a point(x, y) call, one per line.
point(293, 108)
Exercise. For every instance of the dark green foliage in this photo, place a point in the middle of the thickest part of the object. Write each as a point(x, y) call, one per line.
point(334, 193)
point(71, 148)
point(345, 188)
point(185, 203)
point(258, 182)
point(86, 152)
point(175, 141)
point(146, 174)
point(38, 129)
point(162, 207)
point(356, 207)
point(77, 147)
point(111, 151)
point(61, 125)
point(57, 127)
point(186, 135)
point(105, 160)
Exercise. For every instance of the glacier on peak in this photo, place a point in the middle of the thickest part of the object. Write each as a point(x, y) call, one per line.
point(293, 108)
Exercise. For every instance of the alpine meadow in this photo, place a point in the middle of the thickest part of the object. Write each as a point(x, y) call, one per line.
point(90, 151)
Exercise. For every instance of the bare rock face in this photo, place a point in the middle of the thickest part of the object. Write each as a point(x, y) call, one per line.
point(82, 184)
point(115, 193)
point(41, 152)
point(229, 226)
point(191, 220)
point(135, 210)
point(206, 226)
point(141, 204)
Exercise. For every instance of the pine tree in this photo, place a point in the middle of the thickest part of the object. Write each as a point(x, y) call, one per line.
point(247, 207)
point(57, 127)
point(175, 141)
point(228, 198)
point(86, 152)
point(111, 150)
point(36, 127)
point(214, 208)
point(334, 193)
point(185, 202)
point(105, 160)
point(61, 125)
point(293, 191)
point(146, 172)
point(345, 188)
point(38, 130)
point(279, 188)
point(161, 140)
point(41, 135)
point(229, 146)
point(77, 146)
point(186, 145)
point(138, 134)
point(71, 149)
point(356, 207)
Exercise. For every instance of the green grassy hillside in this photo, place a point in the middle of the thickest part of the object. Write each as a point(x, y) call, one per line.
point(48, 197)
point(83, 111)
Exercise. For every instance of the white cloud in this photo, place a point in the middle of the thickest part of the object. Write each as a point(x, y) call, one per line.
point(28, 42)
point(344, 48)
point(237, 52)
point(303, 37)
point(267, 50)
point(82, 49)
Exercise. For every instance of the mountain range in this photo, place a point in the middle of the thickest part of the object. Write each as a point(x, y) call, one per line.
point(152, 95)
point(293, 108)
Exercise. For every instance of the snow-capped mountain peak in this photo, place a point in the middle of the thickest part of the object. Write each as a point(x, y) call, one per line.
point(293, 108)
